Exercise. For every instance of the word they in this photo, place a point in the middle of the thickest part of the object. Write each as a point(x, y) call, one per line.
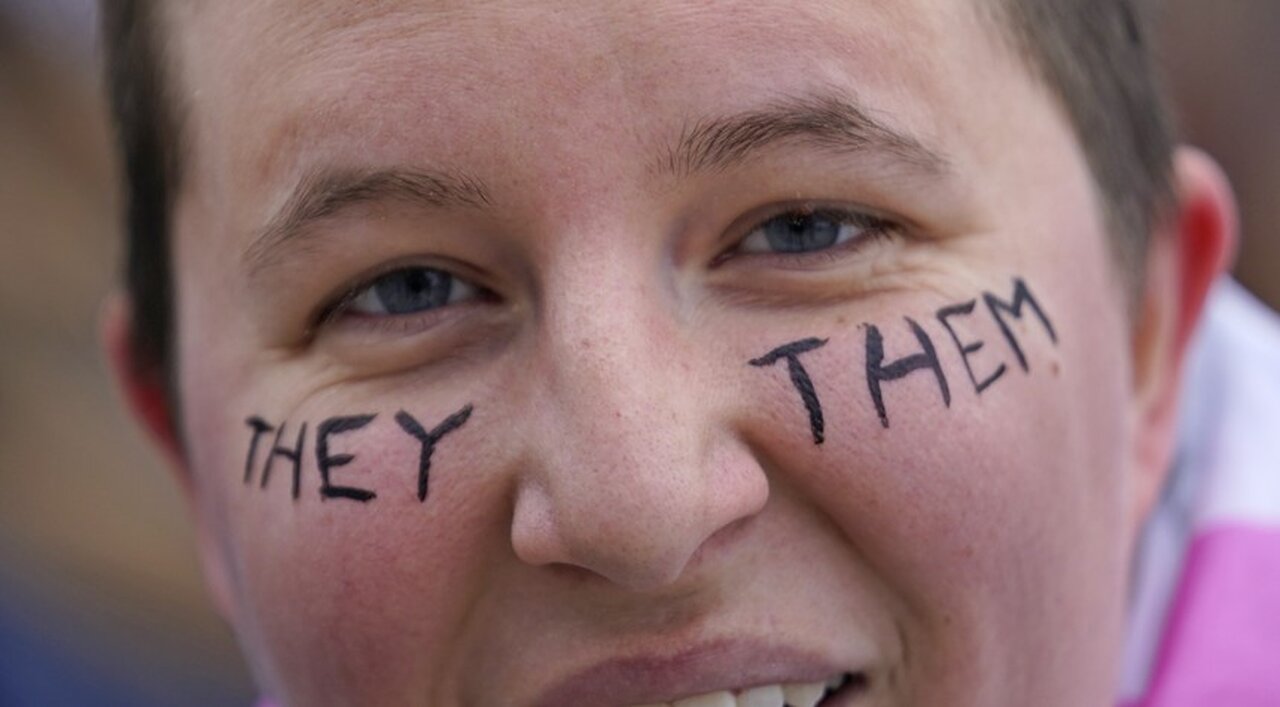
point(327, 461)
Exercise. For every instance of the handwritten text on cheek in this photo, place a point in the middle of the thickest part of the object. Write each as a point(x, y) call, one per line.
point(880, 372)
point(328, 461)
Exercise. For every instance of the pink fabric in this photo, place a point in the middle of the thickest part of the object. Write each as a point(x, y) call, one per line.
point(1223, 642)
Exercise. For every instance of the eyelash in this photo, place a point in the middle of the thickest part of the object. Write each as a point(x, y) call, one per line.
point(874, 227)
point(335, 307)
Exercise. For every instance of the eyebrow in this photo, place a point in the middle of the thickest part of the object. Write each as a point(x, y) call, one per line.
point(326, 192)
point(829, 121)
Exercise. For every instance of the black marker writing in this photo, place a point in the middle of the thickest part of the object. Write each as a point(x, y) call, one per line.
point(967, 350)
point(1021, 296)
point(327, 462)
point(260, 427)
point(878, 372)
point(293, 454)
point(799, 378)
point(429, 439)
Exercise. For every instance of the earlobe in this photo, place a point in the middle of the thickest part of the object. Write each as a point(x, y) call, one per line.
point(1194, 247)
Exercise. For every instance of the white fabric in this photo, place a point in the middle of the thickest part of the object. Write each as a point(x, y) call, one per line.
point(1226, 466)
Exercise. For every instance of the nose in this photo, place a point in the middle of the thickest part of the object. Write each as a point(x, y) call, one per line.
point(632, 469)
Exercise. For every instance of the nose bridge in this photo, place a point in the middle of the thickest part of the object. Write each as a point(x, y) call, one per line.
point(623, 478)
point(608, 337)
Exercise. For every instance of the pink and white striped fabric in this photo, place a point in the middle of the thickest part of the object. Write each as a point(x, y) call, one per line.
point(1205, 609)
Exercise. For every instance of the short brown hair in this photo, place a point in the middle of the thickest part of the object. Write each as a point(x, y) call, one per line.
point(148, 134)
point(1090, 53)
point(1094, 56)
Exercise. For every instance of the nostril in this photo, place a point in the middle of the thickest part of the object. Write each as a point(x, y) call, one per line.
point(573, 573)
point(721, 538)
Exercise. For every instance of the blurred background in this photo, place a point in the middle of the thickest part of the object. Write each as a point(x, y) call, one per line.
point(100, 596)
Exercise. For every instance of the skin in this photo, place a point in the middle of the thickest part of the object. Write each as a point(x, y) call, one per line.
point(627, 484)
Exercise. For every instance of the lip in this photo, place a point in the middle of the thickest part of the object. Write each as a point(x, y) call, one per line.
point(707, 667)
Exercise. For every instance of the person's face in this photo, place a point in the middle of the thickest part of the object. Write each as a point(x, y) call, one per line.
point(523, 271)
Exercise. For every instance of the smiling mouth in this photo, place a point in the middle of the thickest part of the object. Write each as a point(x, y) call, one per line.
point(835, 691)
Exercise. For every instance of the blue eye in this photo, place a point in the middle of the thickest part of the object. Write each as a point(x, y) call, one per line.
point(806, 231)
point(409, 291)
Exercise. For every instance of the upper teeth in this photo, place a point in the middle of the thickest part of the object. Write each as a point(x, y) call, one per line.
point(805, 694)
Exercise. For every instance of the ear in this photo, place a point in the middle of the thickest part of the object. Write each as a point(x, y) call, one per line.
point(145, 391)
point(1192, 249)
point(143, 387)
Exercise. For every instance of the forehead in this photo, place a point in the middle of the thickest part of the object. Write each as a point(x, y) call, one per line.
point(482, 42)
point(271, 85)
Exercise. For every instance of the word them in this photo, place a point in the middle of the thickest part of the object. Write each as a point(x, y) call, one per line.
point(879, 372)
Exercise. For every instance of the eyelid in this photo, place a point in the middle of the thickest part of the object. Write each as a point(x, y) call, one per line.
point(877, 222)
point(460, 290)
point(334, 305)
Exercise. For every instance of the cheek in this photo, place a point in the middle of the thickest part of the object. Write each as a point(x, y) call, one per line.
point(341, 596)
point(996, 519)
